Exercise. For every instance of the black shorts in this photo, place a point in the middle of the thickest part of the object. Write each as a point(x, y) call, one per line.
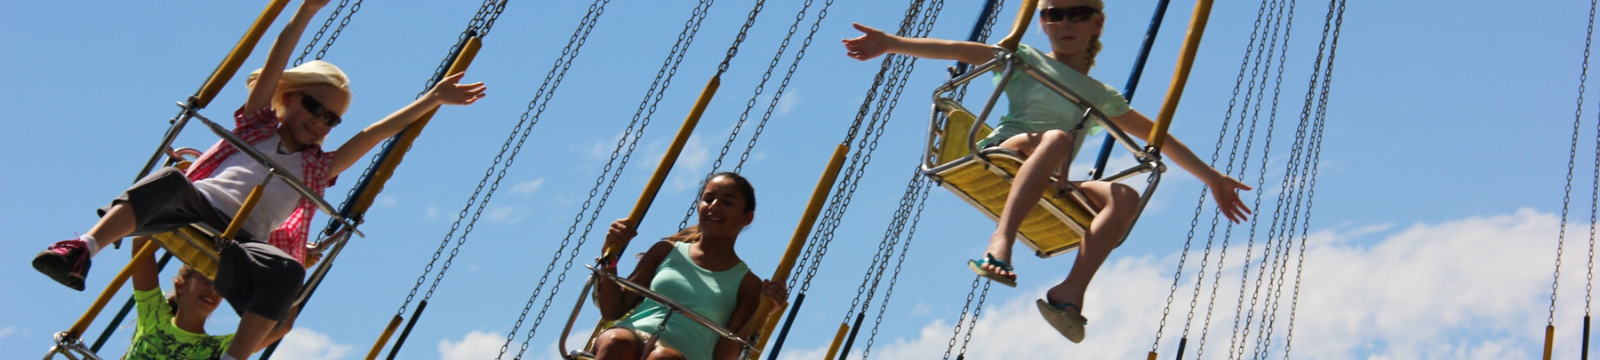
point(252, 275)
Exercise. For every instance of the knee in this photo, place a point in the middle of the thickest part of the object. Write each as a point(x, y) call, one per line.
point(616, 342)
point(666, 353)
point(1124, 199)
point(1055, 137)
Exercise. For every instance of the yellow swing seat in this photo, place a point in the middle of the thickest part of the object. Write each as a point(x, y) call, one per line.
point(195, 245)
point(1054, 226)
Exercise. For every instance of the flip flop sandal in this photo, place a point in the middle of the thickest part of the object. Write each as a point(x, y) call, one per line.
point(977, 267)
point(1068, 324)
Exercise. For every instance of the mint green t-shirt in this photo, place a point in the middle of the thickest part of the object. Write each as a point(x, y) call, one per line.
point(157, 338)
point(1032, 107)
point(712, 294)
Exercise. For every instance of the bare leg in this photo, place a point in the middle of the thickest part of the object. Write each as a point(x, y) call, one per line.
point(253, 329)
point(1120, 203)
point(1045, 152)
point(617, 344)
point(118, 223)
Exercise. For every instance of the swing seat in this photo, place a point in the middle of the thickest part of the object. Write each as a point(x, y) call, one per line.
point(195, 245)
point(1054, 226)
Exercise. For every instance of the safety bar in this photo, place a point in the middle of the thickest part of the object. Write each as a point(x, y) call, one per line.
point(1012, 64)
point(273, 167)
point(673, 305)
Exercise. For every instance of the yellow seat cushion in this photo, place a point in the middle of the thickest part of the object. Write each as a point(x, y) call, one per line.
point(1054, 226)
point(193, 247)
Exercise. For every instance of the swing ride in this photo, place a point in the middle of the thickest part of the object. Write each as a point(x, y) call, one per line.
point(980, 177)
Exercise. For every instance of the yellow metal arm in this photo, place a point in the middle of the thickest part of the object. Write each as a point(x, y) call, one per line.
point(241, 51)
point(1180, 77)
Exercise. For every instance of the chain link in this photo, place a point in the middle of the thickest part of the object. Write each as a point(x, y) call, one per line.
point(641, 120)
point(911, 232)
point(750, 20)
point(1572, 157)
point(315, 38)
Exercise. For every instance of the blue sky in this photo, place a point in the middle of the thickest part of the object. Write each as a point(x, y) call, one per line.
point(1432, 236)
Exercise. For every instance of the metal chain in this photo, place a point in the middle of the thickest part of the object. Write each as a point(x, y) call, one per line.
point(977, 312)
point(750, 20)
point(1322, 114)
point(1297, 192)
point(817, 246)
point(524, 127)
point(1194, 222)
point(1266, 149)
point(956, 334)
point(1572, 157)
point(315, 38)
point(882, 114)
point(783, 85)
point(911, 232)
point(750, 104)
point(336, 31)
point(641, 120)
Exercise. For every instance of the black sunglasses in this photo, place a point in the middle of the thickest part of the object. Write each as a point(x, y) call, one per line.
point(315, 108)
point(1075, 14)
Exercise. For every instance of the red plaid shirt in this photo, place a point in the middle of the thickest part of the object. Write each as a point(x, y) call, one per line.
point(253, 128)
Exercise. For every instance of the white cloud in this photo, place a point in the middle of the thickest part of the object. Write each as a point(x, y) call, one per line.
point(432, 212)
point(475, 345)
point(505, 214)
point(791, 98)
point(303, 343)
point(388, 201)
point(528, 187)
point(691, 165)
point(8, 331)
point(1475, 288)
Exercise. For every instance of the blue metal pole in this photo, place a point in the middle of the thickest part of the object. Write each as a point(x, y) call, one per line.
point(1133, 81)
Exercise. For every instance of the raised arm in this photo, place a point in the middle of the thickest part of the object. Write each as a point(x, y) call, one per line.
point(146, 275)
point(873, 43)
point(266, 85)
point(610, 298)
point(448, 91)
point(1222, 187)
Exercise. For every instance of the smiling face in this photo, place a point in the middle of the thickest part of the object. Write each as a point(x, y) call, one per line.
point(724, 207)
point(302, 125)
point(195, 294)
point(1072, 35)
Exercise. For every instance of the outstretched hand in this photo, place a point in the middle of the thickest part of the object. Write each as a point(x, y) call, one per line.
point(872, 44)
point(450, 91)
point(1225, 190)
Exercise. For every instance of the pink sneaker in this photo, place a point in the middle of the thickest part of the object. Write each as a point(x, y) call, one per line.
point(66, 261)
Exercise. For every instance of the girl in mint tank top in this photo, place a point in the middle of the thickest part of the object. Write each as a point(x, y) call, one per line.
point(698, 268)
point(1045, 128)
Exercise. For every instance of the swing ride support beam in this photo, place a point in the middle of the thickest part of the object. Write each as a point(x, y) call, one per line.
point(407, 332)
point(218, 78)
point(1549, 339)
point(235, 59)
point(1133, 80)
point(849, 341)
point(1180, 77)
point(384, 339)
point(838, 339)
point(787, 324)
point(1585, 337)
point(608, 255)
point(802, 231)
